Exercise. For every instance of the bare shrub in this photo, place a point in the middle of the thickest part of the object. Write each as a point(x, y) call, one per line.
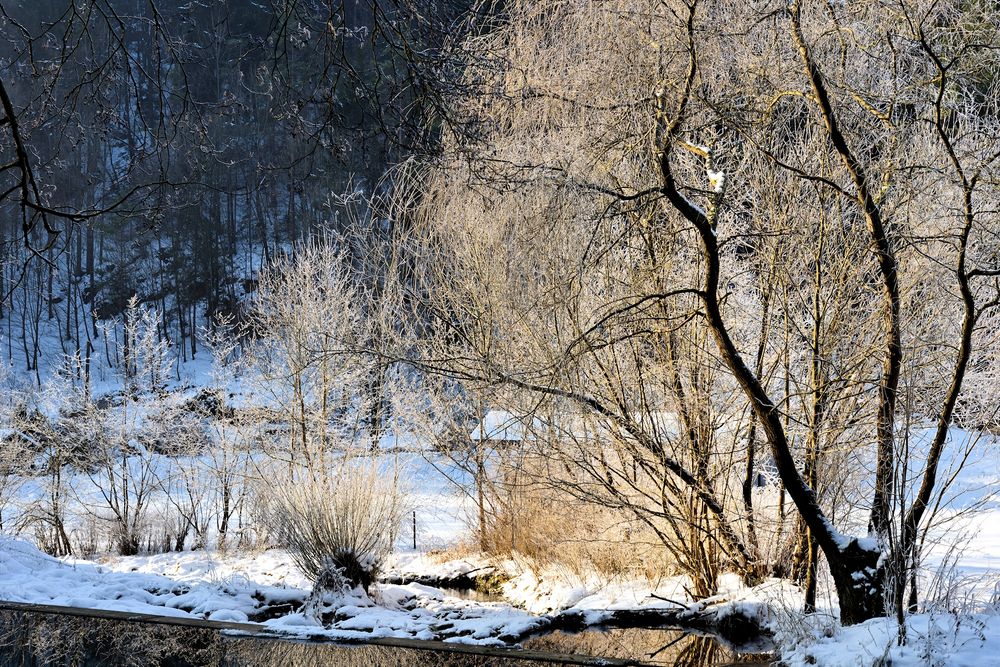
point(86, 538)
point(306, 327)
point(14, 463)
point(550, 526)
point(344, 524)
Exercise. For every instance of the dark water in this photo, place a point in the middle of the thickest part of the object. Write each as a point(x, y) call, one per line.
point(653, 646)
point(29, 639)
point(471, 594)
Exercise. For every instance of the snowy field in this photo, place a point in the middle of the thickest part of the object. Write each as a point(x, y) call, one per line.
point(238, 586)
point(961, 572)
point(230, 587)
point(235, 587)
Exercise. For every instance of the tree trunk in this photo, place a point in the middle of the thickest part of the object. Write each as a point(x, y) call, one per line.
point(857, 574)
point(859, 578)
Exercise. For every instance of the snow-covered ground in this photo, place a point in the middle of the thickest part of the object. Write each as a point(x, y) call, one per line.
point(962, 575)
point(238, 586)
point(937, 640)
point(232, 588)
point(960, 583)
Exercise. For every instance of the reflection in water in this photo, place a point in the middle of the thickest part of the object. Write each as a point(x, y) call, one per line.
point(286, 654)
point(471, 594)
point(34, 639)
point(29, 639)
point(652, 646)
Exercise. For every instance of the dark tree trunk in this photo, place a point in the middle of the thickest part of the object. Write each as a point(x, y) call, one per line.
point(857, 573)
point(859, 578)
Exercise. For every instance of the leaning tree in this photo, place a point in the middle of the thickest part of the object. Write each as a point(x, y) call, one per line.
point(654, 207)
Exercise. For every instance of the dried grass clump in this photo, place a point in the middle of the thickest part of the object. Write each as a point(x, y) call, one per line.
point(341, 527)
point(549, 526)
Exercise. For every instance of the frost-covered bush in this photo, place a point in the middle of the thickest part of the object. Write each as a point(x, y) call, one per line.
point(305, 358)
point(340, 527)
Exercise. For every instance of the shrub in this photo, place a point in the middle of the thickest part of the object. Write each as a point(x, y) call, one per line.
point(549, 526)
point(340, 526)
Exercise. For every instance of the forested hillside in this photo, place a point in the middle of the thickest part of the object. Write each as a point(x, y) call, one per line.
point(197, 141)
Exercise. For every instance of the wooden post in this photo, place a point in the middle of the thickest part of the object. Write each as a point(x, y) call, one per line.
point(414, 530)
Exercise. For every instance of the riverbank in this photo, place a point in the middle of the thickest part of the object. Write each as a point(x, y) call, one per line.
point(264, 590)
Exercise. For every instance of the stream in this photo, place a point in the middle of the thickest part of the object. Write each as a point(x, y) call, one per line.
point(29, 639)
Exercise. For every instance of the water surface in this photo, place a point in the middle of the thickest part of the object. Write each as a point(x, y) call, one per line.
point(30, 639)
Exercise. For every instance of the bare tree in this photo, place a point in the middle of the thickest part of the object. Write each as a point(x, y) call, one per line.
point(307, 328)
point(873, 155)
